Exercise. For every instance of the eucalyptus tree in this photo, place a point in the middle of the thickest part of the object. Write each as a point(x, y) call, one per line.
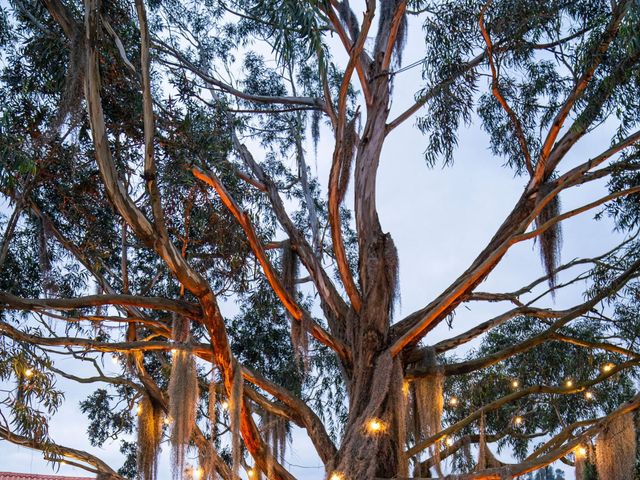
point(145, 154)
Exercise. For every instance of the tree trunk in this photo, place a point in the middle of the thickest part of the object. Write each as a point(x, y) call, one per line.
point(376, 428)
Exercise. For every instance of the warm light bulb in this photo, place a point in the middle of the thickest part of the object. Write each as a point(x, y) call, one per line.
point(568, 383)
point(224, 405)
point(251, 473)
point(375, 425)
point(588, 395)
point(167, 420)
point(197, 473)
point(453, 401)
point(449, 441)
point(405, 388)
point(337, 476)
point(607, 367)
point(28, 373)
point(518, 420)
point(174, 351)
point(515, 384)
point(581, 452)
point(139, 409)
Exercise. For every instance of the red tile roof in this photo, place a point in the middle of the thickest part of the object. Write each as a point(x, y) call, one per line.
point(35, 476)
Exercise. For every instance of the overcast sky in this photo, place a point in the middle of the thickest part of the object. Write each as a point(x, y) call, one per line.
point(440, 219)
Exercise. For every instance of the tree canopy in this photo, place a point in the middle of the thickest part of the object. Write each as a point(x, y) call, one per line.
point(156, 170)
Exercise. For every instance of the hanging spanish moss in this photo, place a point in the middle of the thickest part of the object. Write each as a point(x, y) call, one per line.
point(348, 17)
point(235, 406)
point(616, 449)
point(316, 116)
point(399, 400)
point(485, 456)
point(212, 410)
point(44, 260)
point(346, 159)
point(275, 430)
point(180, 328)
point(183, 396)
point(100, 309)
point(482, 446)
point(580, 467)
point(70, 103)
point(149, 437)
point(550, 241)
point(387, 11)
point(299, 329)
point(392, 272)
point(206, 462)
point(428, 404)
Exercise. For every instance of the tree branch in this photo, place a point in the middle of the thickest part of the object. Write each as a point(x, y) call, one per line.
point(276, 284)
point(11, 302)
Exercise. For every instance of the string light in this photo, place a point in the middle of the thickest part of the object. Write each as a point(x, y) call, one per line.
point(607, 367)
point(515, 384)
point(174, 351)
point(251, 473)
point(405, 388)
point(197, 473)
point(449, 441)
point(167, 421)
point(337, 476)
point(580, 452)
point(453, 401)
point(28, 373)
point(588, 395)
point(375, 425)
point(518, 421)
point(139, 409)
point(568, 383)
point(225, 405)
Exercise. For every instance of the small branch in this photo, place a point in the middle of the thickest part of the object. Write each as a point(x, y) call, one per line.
point(68, 452)
point(517, 126)
point(316, 103)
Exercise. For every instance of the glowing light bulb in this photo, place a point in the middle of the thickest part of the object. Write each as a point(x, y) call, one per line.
point(568, 383)
point(139, 409)
point(607, 367)
point(518, 420)
point(167, 421)
point(337, 476)
point(581, 452)
point(174, 351)
point(225, 405)
point(449, 441)
point(197, 473)
point(28, 373)
point(588, 395)
point(515, 384)
point(375, 425)
point(453, 401)
point(251, 473)
point(405, 388)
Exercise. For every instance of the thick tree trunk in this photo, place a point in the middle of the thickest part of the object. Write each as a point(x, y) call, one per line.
point(369, 449)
